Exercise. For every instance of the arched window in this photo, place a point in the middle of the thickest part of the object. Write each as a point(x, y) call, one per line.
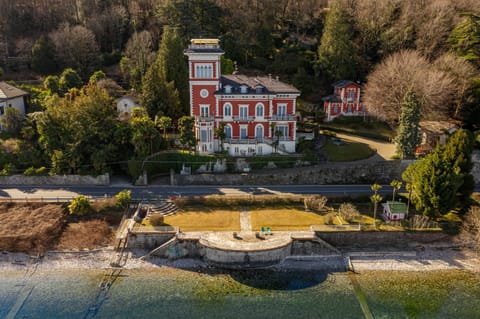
point(228, 131)
point(259, 131)
point(227, 110)
point(259, 110)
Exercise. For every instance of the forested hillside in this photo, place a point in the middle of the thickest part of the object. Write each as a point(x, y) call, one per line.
point(392, 47)
point(284, 37)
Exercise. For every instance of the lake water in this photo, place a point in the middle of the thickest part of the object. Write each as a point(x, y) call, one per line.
point(173, 293)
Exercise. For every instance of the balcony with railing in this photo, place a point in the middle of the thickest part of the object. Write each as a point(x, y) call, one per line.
point(257, 140)
point(243, 118)
point(204, 118)
point(284, 117)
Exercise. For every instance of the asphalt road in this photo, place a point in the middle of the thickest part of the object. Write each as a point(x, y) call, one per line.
point(155, 192)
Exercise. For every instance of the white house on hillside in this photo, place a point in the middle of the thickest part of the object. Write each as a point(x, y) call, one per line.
point(125, 104)
point(11, 96)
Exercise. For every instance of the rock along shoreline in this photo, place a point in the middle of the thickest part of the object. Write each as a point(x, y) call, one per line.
point(429, 258)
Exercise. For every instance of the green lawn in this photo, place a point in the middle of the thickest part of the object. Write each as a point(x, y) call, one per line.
point(348, 151)
point(217, 220)
point(285, 219)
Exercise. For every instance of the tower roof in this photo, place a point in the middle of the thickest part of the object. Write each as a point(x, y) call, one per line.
point(204, 46)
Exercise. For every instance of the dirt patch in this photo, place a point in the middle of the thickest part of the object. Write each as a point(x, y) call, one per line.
point(86, 235)
point(30, 227)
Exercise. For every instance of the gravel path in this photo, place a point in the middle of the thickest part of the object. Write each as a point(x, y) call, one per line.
point(245, 221)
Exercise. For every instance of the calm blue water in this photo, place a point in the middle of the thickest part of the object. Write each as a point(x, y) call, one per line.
point(170, 293)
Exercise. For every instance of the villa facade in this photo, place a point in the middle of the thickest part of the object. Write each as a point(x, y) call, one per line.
point(345, 100)
point(257, 114)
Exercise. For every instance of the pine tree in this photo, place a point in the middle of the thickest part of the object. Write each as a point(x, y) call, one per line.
point(173, 67)
point(465, 38)
point(408, 136)
point(336, 53)
point(159, 97)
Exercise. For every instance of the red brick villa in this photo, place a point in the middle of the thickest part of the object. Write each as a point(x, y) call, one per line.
point(345, 100)
point(251, 108)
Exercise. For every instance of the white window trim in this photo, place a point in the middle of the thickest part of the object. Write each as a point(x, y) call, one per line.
point(263, 131)
point(203, 70)
point(263, 110)
point(242, 126)
point(231, 110)
point(282, 105)
point(202, 106)
point(240, 107)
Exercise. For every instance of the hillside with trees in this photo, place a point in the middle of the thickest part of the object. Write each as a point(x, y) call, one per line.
point(407, 54)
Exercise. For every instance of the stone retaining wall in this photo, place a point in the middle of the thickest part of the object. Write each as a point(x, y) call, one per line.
point(341, 173)
point(56, 180)
point(375, 240)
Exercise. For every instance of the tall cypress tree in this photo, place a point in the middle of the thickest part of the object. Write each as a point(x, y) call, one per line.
point(408, 136)
point(159, 97)
point(458, 154)
point(172, 64)
point(336, 53)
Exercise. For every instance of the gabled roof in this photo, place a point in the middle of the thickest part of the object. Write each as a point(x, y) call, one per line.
point(269, 84)
point(343, 83)
point(8, 91)
point(332, 98)
point(397, 207)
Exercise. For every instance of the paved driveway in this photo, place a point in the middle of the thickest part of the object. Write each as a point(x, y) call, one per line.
point(384, 149)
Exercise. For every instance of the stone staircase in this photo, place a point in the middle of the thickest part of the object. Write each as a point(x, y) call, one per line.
point(165, 207)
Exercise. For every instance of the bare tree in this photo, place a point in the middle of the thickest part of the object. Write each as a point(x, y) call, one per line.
point(391, 79)
point(470, 230)
point(76, 48)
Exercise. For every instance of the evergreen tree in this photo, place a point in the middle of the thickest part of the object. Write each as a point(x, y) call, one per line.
point(43, 56)
point(408, 136)
point(434, 184)
point(465, 38)
point(336, 53)
point(187, 135)
point(172, 64)
point(159, 97)
point(458, 154)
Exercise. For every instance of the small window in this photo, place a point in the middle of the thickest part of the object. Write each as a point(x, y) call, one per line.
point(227, 110)
point(228, 131)
point(243, 89)
point(228, 89)
point(259, 89)
point(259, 110)
point(335, 108)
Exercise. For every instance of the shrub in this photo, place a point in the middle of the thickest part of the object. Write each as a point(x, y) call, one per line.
point(156, 219)
point(41, 171)
point(29, 171)
point(348, 212)
point(80, 205)
point(8, 169)
point(315, 203)
point(124, 198)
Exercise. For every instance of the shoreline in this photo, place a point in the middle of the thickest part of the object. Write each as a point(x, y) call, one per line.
point(431, 258)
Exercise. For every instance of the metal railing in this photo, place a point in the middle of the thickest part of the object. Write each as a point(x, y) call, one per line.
point(283, 117)
point(204, 118)
point(243, 118)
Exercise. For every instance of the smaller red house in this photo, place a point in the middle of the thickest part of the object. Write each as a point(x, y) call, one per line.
point(345, 100)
